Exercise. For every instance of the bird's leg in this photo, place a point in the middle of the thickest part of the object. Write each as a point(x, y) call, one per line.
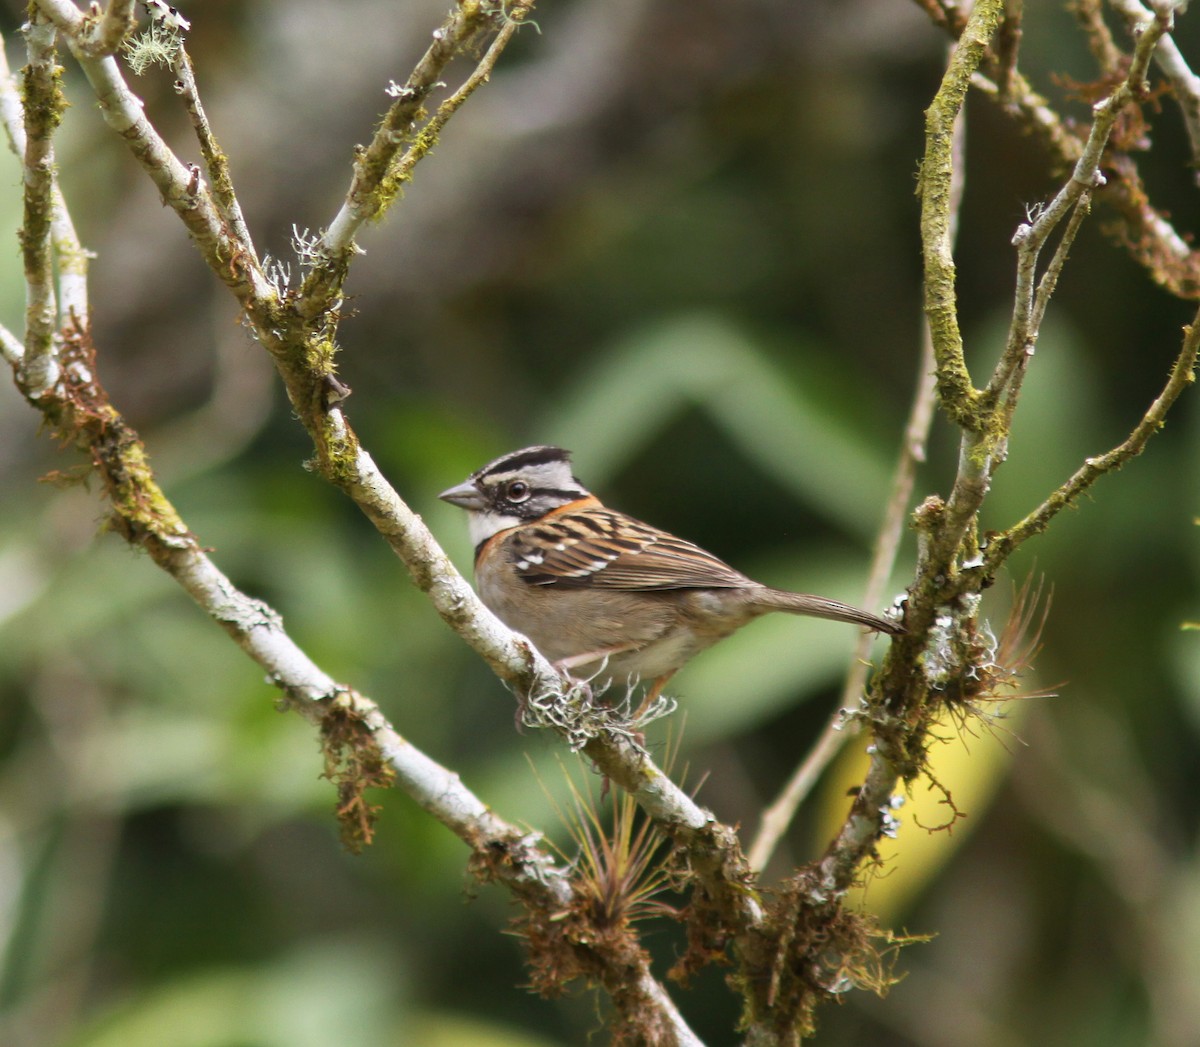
point(581, 684)
point(572, 661)
point(652, 693)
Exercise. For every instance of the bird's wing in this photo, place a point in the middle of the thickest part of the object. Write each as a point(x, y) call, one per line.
point(600, 548)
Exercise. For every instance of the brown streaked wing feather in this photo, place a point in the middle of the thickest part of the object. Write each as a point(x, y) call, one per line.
point(608, 550)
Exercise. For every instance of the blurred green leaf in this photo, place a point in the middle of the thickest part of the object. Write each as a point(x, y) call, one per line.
point(330, 992)
point(702, 360)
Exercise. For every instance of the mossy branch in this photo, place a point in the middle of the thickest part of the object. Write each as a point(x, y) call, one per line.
point(215, 161)
point(957, 393)
point(43, 109)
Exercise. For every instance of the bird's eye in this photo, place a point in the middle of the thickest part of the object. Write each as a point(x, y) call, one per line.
point(517, 491)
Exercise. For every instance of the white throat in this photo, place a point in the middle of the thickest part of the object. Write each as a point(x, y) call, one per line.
point(482, 524)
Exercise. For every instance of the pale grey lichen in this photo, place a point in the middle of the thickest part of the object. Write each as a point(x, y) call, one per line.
point(574, 708)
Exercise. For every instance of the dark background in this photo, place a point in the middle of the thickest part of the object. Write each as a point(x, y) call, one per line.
point(682, 240)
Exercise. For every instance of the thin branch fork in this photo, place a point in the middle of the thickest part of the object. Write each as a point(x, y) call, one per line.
point(1182, 374)
point(1185, 84)
point(181, 190)
point(377, 176)
point(1072, 199)
point(1148, 234)
point(214, 159)
point(104, 35)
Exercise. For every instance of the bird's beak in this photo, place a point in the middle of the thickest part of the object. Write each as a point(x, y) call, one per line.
point(465, 496)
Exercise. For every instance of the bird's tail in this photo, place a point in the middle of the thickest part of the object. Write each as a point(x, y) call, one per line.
point(822, 607)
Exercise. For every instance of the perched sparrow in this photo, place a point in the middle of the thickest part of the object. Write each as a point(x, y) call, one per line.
point(597, 590)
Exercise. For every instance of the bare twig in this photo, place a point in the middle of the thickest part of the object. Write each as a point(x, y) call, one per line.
point(1184, 83)
point(1145, 231)
point(778, 816)
point(181, 188)
point(945, 13)
point(429, 133)
point(1100, 40)
point(1030, 301)
point(1008, 44)
point(1001, 546)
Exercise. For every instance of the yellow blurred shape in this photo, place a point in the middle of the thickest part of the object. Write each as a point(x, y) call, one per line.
point(969, 762)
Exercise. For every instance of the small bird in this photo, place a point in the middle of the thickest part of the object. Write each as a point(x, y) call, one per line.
point(597, 590)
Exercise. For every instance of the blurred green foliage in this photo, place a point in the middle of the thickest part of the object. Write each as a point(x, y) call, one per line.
point(685, 247)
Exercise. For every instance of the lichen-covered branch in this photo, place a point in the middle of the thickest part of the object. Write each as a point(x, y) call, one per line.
point(43, 247)
point(103, 34)
point(925, 667)
point(43, 109)
point(214, 159)
point(953, 379)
